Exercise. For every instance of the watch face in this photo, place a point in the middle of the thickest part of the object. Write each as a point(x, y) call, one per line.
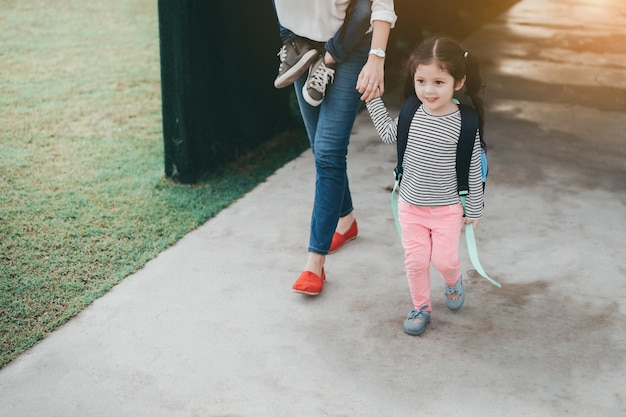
point(378, 52)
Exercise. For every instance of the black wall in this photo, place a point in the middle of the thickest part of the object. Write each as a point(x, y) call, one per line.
point(218, 62)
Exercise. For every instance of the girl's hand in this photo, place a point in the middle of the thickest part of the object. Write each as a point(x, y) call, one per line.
point(474, 222)
point(371, 81)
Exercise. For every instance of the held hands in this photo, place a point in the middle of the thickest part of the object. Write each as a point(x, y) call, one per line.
point(371, 81)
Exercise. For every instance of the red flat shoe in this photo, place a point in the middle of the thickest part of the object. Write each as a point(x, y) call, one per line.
point(309, 283)
point(340, 239)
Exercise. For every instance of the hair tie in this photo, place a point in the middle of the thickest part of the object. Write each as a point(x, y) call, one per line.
point(465, 54)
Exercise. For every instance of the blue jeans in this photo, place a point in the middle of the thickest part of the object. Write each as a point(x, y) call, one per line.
point(328, 128)
point(349, 35)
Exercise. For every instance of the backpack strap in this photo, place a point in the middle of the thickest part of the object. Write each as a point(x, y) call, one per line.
point(465, 147)
point(407, 111)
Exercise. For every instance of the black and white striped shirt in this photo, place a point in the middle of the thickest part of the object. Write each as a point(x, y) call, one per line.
point(429, 173)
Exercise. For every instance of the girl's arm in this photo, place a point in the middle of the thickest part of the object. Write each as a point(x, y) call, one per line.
point(386, 127)
point(475, 199)
point(371, 81)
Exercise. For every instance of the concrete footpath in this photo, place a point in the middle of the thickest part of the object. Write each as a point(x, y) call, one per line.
point(211, 328)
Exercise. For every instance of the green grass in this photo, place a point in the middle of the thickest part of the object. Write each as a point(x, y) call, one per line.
point(83, 201)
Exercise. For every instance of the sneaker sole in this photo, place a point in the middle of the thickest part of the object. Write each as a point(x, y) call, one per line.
point(310, 99)
point(293, 73)
point(306, 292)
point(416, 333)
point(453, 306)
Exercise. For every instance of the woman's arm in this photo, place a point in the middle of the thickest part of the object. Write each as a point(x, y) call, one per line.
point(371, 81)
point(384, 10)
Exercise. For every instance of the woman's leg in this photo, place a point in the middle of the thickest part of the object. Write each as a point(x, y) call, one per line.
point(329, 127)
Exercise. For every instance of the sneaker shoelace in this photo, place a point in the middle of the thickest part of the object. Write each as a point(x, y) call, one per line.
point(282, 55)
point(452, 290)
point(417, 314)
point(323, 75)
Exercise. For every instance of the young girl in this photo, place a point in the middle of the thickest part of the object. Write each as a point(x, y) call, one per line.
point(429, 210)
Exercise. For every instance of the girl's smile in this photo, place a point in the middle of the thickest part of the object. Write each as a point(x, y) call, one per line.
point(435, 88)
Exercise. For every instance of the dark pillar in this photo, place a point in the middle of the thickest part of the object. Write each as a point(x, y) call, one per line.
point(218, 63)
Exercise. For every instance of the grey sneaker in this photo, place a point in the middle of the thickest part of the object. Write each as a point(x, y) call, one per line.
point(296, 56)
point(455, 289)
point(416, 321)
point(320, 76)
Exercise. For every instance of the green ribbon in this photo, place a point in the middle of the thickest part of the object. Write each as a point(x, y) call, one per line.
point(473, 254)
point(394, 207)
point(472, 249)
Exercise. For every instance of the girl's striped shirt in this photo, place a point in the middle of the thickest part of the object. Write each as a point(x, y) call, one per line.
point(429, 173)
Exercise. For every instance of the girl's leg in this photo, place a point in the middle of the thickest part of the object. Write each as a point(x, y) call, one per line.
point(348, 38)
point(285, 34)
point(446, 233)
point(296, 56)
point(416, 242)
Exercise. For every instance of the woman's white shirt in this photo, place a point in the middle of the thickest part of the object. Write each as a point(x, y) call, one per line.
point(319, 20)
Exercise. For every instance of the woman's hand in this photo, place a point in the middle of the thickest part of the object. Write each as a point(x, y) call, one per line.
point(371, 81)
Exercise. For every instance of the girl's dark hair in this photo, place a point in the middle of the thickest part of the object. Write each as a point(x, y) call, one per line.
point(455, 61)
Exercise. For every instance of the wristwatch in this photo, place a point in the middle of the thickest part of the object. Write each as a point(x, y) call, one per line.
point(379, 52)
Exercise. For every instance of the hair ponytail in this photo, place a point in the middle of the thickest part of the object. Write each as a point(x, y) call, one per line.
point(474, 87)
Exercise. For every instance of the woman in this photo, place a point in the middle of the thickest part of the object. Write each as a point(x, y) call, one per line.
point(360, 76)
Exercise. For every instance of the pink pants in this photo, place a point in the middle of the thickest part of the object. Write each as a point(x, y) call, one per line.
point(430, 234)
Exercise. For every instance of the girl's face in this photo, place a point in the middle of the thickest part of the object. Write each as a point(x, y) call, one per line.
point(435, 88)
